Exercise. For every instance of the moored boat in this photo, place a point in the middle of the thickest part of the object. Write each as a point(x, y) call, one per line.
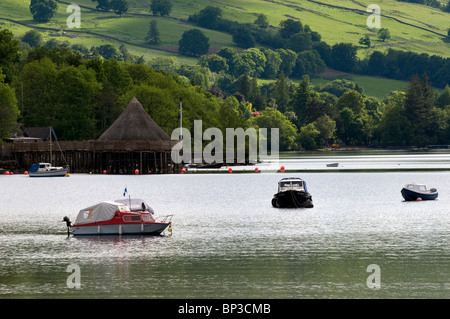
point(292, 193)
point(418, 192)
point(114, 218)
point(204, 166)
point(47, 170)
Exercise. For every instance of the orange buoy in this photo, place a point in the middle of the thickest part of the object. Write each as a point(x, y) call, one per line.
point(149, 172)
point(104, 171)
point(256, 169)
point(25, 173)
point(7, 173)
point(230, 170)
point(136, 171)
point(11, 173)
point(282, 168)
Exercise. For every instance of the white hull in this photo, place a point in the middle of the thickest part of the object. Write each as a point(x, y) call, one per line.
point(52, 173)
point(121, 229)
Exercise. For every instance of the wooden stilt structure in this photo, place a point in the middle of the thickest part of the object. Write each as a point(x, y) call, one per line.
point(134, 141)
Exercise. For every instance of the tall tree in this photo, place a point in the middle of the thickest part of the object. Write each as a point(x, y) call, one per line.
point(243, 37)
point(300, 41)
point(33, 38)
point(119, 6)
point(343, 56)
point(444, 98)
point(209, 17)
point(275, 119)
point(365, 41)
point(161, 7)
point(39, 80)
point(75, 90)
point(273, 63)
point(153, 34)
point(288, 59)
point(384, 34)
point(262, 21)
point(290, 27)
point(9, 53)
point(8, 108)
point(281, 92)
point(446, 8)
point(43, 10)
point(418, 106)
point(103, 5)
point(193, 42)
point(300, 100)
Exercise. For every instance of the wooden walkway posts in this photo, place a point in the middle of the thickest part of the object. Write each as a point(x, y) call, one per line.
point(114, 157)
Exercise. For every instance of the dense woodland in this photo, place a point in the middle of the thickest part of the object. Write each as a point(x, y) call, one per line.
point(80, 91)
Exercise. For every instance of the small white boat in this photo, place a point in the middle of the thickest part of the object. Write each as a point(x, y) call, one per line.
point(47, 170)
point(113, 218)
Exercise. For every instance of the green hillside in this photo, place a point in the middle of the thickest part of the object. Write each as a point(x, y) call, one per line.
point(413, 27)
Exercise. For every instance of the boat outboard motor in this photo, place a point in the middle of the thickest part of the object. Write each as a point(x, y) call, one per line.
point(68, 224)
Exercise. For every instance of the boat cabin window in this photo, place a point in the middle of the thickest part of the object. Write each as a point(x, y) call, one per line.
point(42, 166)
point(147, 218)
point(132, 218)
point(417, 187)
point(291, 185)
point(88, 214)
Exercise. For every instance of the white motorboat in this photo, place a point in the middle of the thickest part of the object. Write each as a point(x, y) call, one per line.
point(47, 170)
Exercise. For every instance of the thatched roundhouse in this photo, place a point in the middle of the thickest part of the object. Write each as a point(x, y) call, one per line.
point(134, 143)
point(134, 124)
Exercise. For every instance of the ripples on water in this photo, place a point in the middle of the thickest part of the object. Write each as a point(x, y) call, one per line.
point(227, 241)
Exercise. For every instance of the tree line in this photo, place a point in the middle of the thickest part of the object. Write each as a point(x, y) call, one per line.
point(431, 3)
point(82, 96)
point(312, 55)
point(301, 39)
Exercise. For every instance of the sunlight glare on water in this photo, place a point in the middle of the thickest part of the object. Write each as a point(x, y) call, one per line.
point(228, 241)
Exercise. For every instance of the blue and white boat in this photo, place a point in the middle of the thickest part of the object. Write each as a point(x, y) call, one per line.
point(418, 192)
point(47, 170)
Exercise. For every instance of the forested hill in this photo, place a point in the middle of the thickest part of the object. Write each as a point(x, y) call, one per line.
point(233, 64)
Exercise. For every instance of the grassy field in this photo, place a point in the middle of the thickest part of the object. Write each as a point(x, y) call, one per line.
point(334, 20)
point(373, 86)
point(413, 27)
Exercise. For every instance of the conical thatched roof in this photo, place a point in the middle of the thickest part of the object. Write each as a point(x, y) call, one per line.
point(134, 124)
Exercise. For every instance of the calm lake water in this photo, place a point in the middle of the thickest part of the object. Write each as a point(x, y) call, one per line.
point(228, 241)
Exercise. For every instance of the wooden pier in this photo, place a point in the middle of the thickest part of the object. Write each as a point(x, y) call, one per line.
point(133, 142)
point(114, 157)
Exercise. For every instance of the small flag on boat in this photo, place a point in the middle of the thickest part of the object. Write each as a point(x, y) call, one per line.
point(125, 192)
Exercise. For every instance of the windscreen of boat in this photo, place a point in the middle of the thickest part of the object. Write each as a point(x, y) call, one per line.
point(421, 188)
point(294, 185)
